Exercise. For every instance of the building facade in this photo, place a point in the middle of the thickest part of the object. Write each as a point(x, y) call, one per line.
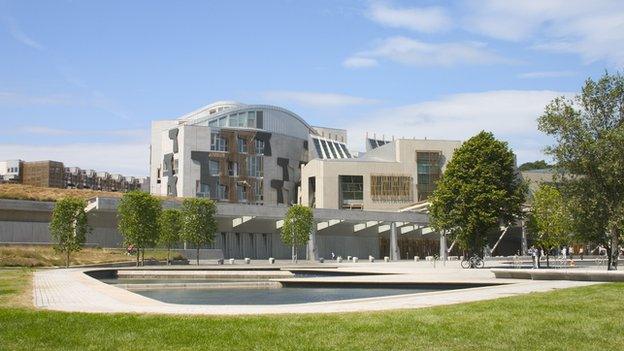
point(44, 174)
point(390, 176)
point(11, 171)
point(238, 153)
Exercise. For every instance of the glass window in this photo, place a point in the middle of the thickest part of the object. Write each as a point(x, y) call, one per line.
point(325, 148)
point(351, 191)
point(233, 168)
point(202, 190)
point(241, 193)
point(218, 143)
point(214, 167)
point(258, 192)
point(242, 145)
point(222, 192)
point(251, 119)
point(213, 123)
point(391, 188)
point(345, 151)
point(429, 171)
point(317, 145)
point(254, 166)
point(259, 146)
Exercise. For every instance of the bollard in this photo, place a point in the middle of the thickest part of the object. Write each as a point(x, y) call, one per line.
point(271, 260)
point(339, 259)
point(355, 259)
point(220, 261)
point(416, 258)
point(371, 259)
point(386, 259)
point(247, 260)
point(349, 258)
point(231, 261)
point(321, 260)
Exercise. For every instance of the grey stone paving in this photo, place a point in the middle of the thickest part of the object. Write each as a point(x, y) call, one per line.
point(72, 290)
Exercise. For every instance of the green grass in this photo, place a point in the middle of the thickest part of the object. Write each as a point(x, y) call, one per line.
point(587, 318)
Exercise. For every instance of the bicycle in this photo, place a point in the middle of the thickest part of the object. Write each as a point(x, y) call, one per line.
point(472, 262)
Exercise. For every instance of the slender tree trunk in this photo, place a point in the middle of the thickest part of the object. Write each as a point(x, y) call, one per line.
point(547, 259)
point(137, 263)
point(168, 255)
point(613, 250)
point(143, 257)
point(67, 259)
point(294, 255)
point(198, 255)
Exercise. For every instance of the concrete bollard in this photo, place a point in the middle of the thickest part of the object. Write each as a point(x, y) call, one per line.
point(220, 261)
point(429, 258)
point(355, 259)
point(349, 258)
point(271, 260)
point(386, 259)
point(321, 260)
point(416, 258)
point(232, 261)
point(339, 259)
point(371, 259)
point(247, 260)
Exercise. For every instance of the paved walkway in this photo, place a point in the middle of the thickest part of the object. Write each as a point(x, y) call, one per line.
point(72, 290)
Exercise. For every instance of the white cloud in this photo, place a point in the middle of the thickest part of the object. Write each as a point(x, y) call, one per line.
point(318, 100)
point(19, 35)
point(546, 74)
point(124, 158)
point(421, 19)
point(418, 53)
point(135, 134)
point(509, 114)
point(359, 62)
point(592, 29)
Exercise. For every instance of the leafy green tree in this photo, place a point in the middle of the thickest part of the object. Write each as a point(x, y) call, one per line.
point(170, 223)
point(528, 166)
point(198, 222)
point(297, 227)
point(478, 191)
point(69, 226)
point(549, 221)
point(138, 214)
point(589, 152)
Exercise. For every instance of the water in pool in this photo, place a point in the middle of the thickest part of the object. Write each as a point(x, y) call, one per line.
point(278, 296)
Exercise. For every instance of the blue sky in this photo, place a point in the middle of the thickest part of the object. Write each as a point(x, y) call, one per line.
point(80, 81)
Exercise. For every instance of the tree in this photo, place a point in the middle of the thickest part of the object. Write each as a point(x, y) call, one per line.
point(297, 226)
point(198, 222)
point(170, 223)
point(528, 166)
point(69, 226)
point(138, 214)
point(478, 191)
point(549, 221)
point(589, 152)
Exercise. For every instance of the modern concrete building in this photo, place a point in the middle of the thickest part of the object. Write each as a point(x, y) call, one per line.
point(238, 153)
point(389, 177)
point(44, 174)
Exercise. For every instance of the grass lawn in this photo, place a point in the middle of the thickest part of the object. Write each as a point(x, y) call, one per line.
point(44, 256)
point(588, 318)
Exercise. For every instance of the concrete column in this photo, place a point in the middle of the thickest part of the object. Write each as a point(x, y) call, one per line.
point(394, 243)
point(312, 250)
point(443, 248)
point(525, 245)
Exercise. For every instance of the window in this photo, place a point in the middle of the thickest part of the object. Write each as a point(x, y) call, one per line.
point(251, 119)
point(242, 145)
point(218, 143)
point(223, 122)
point(259, 146)
point(222, 192)
point(175, 166)
point(254, 166)
point(345, 151)
point(202, 190)
point(391, 188)
point(258, 192)
point(241, 193)
point(317, 145)
point(429, 171)
point(233, 168)
point(351, 191)
point(325, 148)
point(213, 123)
point(214, 168)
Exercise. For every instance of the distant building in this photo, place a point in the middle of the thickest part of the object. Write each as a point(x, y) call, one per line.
point(11, 171)
point(49, 174)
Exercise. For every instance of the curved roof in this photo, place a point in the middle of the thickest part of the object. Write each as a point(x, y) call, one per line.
point(200, 115)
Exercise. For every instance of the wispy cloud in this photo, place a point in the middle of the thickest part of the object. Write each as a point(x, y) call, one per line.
point(414, 52)
point(421, 19)
point(318, 100)
point(592, 29)
point(135, 134)
point(546, 74)
point(510, 114)
point(124, 158)
point(18, 34)
point(359, 62)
